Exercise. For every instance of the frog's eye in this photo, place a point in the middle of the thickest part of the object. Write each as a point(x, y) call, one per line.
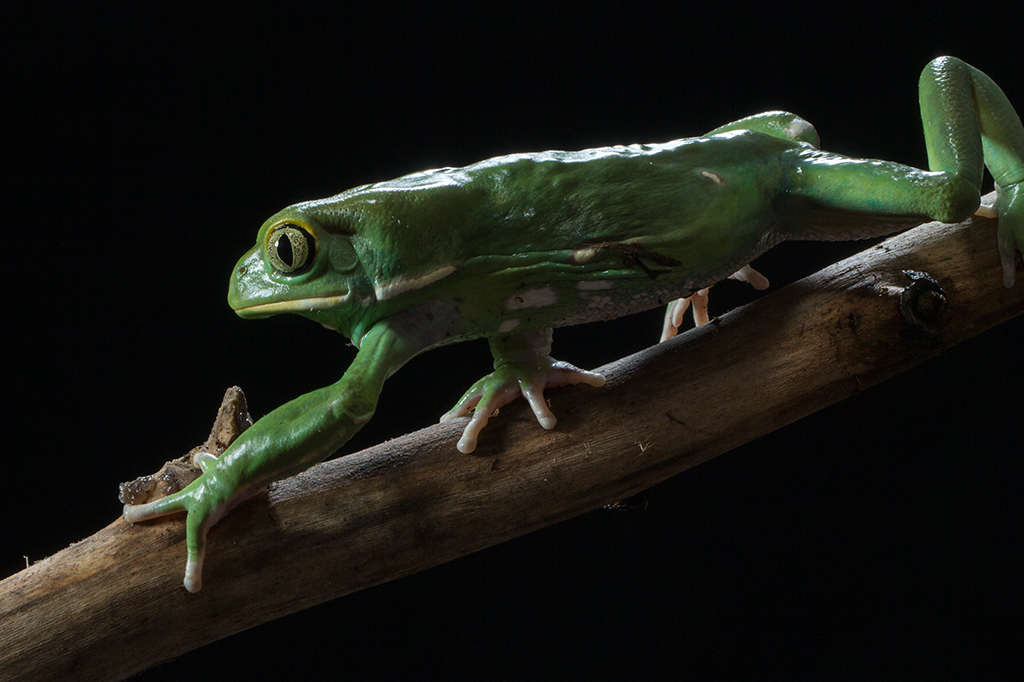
point(291, 249)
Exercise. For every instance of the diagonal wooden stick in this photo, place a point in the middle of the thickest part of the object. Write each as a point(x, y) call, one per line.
point(112, 605)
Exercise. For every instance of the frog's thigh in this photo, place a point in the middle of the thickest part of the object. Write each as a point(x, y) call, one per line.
point(892, 193)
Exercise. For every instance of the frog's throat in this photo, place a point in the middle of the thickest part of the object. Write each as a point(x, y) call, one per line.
point(299, 305)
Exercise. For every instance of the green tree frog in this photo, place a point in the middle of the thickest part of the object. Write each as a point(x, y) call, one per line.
point(511, 247)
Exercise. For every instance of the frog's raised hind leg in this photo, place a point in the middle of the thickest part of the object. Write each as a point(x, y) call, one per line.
point(957, 97)
point(968, 124)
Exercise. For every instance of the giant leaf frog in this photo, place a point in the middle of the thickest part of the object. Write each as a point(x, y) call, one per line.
point(511, 247)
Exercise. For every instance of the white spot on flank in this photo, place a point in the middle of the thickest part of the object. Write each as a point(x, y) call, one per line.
point(713, 177)
point(594, 286)
point(583, 255)
point(532, 298)
point(507, 326)
point(401, 286)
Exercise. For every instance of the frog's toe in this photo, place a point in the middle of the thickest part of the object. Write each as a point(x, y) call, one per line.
point(674, 317)
point(1010, 230)
point(507, 383)
point(204, 508)
point(750, 276)
point(535, 396)
point(197, 526)
point(470, 399)
point(470, 434)
point(677, 309)
point(483, 409)
point(556, 374)
point(565, 374)
point(461, 409)
point(699, 301)
point(700, 307)
point(172, 504)
point(194, 572)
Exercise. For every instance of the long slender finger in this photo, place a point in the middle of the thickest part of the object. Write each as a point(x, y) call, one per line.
point(467, 443)
point(172, 504)
point(700, 307)
point(462, 408)
point(535, 396)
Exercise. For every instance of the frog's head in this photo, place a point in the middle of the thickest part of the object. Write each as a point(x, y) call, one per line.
point(300, 264)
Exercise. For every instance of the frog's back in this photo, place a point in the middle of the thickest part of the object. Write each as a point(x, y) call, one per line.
point(677, 197)
point(615, 229)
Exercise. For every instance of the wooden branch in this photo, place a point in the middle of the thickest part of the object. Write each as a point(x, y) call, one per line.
point(112, 605)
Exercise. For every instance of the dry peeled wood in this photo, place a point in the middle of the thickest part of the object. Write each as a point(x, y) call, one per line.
point(113, 605)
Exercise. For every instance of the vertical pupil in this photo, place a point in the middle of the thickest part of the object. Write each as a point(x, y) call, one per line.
point(291, 250)
point(284, 250)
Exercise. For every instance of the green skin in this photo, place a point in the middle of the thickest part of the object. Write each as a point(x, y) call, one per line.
point(511, 247)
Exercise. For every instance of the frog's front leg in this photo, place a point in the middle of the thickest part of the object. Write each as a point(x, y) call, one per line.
point(205, 501)
point(288, 440)
point(522, 366)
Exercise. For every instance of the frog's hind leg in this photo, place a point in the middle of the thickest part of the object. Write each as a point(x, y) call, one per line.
point(676, 310)
point(968, 120)
point(968, 124)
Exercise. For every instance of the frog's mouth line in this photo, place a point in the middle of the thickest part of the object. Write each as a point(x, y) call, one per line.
point(299, 305)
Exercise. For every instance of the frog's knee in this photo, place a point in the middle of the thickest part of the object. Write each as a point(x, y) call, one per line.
point(958, 199)
point(940, 65)
point(800, 130)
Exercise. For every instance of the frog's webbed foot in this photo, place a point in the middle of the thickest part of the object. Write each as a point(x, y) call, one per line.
point(522, 366)
point(699, 300)
point(204, 508)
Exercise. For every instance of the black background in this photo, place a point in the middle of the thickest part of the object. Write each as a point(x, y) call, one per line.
point(143, 147)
